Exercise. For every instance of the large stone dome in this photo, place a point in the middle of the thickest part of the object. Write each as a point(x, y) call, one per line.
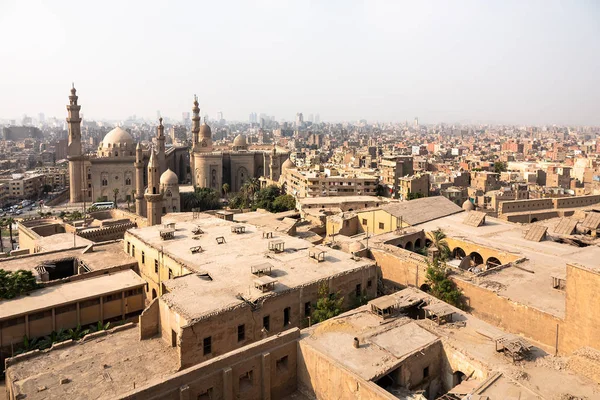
point(205, 131)
point(118, 137)
point(240, 141)
point(468, 205)
point(169, 178)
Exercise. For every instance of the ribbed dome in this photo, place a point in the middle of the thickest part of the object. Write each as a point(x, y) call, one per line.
point(205, 131)
point(117, 138)
point(169, 178)
point(240, 141)
point(287, 165)
point(468, 205)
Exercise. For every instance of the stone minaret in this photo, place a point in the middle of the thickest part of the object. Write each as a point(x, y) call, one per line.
point(195, 135)
point(160, 141)
point(153, 195)
point(74, 152)
point(140, 204)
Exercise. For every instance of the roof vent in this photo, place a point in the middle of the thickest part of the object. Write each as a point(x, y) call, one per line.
point(261, 269)
point(317, 254)
point(265, 283)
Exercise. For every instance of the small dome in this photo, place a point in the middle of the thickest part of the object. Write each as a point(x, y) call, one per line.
point(169, 178)
point(468, 205)
point(240, 141)
point(117, 138)
point(287, 165)
point(355, 247)
point(205, 131)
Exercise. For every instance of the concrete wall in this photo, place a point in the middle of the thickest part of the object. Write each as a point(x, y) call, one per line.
point(525, 205)
point(582, 327)
point(149, 321)
point(577, 201)
point(263, 370)
point(378, 221)
point(323, 378)
point(223, 326)
point(485, 252)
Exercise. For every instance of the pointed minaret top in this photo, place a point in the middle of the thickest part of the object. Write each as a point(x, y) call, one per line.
point(160, 121)
point(153, 162)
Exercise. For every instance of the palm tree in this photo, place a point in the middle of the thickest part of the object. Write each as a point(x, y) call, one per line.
point(226, 189)
point(116, 193)
point(438, 241)
point(10, 221)
point(250, 188)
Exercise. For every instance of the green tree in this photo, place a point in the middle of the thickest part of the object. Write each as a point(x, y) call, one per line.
point(264, 198)
point(328, 304)
point(438, 241)
point(282, 203)
point(202, 199)
point(380, 190)
point(500, 166)
point(226, 189)
point(441, 286)
point(413, 196)
point(2, 225)
point(14, 284)
point(115, 194)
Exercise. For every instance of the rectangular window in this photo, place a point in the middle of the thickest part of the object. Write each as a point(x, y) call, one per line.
point(132, 250)
point(358, 290)
point(241, 332)
point(381, 225)
point(369, 283)
point(89, 303)
point(307, 309)
point(65, 309)
point(425, 372)
point(282, 364)
point(170, 273)
point(286, 316)
point(156, 266)
point(112, 297)
point(364, 221)
point(143, 258)
point(207, 345)
point(128, 247)
point(266, 323)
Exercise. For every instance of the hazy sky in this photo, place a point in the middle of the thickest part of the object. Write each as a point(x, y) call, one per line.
point(448, 61)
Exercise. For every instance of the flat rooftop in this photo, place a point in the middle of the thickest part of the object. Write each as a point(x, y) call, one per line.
point(386, 343)
point(56, 295)
point(104, 256)
point(341, 199)
point(101, 368)
point(229, 264)
point(531, 282)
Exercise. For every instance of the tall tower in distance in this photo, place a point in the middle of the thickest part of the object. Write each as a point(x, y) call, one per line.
point(195, 138)
point(140, 204)
point(160, 141)
point(153, 195)
point(74, 152)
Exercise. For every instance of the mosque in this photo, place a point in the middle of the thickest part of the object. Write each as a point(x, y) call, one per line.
point(151, 176)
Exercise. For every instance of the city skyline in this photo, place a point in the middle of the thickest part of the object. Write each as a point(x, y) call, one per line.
point(495, 63)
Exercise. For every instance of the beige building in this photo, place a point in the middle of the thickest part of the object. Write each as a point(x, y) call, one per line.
point(407, 345)
point(305, 183)
point(219, 285)
point(415, 186)
point(56, 177)
point(211, 167)
point(25, 186)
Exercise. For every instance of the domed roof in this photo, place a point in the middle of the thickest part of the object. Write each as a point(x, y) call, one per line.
point(288, 164)
point(240, 141)
point(116, 138)
point(468, 205)
point(205, 131)
point(356, 246)
point(169, 178)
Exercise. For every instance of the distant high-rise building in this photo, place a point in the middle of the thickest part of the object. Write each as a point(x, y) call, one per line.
point(317, 119)
point(252, 118)
point(299, 119)
point(416, 122)
point(220, 116)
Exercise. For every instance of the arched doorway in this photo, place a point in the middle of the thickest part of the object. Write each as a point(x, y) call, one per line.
point(153, 294)
point(425, 287)
point(458, 377)
point(418, 243)
point(493, 262)
point(476, 257)
point(458, 253)
point(409, 246)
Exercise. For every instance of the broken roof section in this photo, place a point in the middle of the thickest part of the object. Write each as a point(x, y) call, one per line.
point(536, 233)
point(475, 218)
point(592, 220)
point(419, 211)
point(566, 226)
